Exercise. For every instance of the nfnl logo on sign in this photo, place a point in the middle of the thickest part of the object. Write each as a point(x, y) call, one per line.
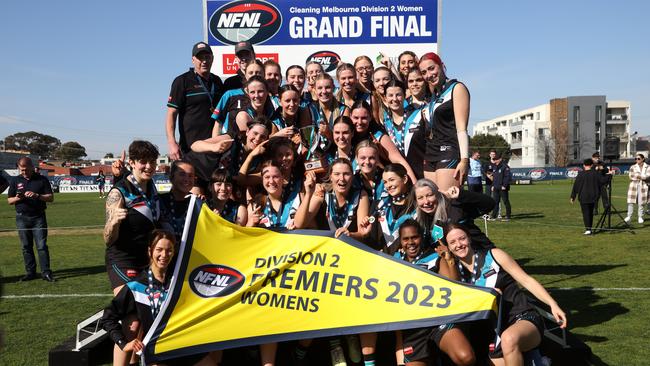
point(328, 59)
point(248, 20)
point(214, 280)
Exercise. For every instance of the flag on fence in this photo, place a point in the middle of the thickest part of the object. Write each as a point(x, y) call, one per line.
point(235, 286)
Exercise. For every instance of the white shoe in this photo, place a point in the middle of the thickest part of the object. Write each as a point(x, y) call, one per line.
point(338, 357)
point(627, 219)
point(588, 232)
point(640, 220)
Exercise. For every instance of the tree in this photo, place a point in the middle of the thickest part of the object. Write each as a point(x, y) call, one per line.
point(71, 150)
point(44, 146)
point(559, 144)
point(485, 143)
point(109, 156)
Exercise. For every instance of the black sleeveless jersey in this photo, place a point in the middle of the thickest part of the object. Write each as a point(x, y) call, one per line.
point(490, 274)
point(440, 124)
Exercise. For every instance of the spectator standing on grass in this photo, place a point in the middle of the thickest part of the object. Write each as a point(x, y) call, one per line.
point(501, 177)
point(600, 167)
point(101, 181)
point(637, 192)
point(475, 176)
point(487, 171)
point(29, 192)
point(587, 187)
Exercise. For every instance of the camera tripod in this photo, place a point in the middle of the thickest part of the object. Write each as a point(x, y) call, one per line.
point(605, 221)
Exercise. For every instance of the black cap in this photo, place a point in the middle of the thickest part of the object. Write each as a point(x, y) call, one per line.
point(244, 46)
point(201, 47)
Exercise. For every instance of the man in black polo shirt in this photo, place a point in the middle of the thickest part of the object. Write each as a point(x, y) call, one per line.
point(28, 192)
point(192, 99)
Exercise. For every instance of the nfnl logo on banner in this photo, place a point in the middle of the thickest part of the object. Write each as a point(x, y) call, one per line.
point(294, 31)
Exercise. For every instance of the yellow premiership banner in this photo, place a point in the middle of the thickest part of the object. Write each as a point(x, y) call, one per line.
point(235, 286)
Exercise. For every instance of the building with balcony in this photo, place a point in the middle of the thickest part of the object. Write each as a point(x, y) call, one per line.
point(563, 131)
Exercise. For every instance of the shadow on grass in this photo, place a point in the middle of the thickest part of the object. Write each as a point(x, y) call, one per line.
point(584, 309)
point(584, 313)
point(570, 271)
point(61, 274)
point(527, 215)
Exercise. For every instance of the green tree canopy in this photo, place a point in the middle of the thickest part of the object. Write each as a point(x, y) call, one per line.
point(71, 150)
point(44, 146)
point(485, 143)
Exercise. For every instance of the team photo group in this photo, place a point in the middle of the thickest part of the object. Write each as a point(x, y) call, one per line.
point(378, 153)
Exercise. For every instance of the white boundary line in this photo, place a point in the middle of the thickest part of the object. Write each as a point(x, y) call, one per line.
point(600, 289)
point(51, 296)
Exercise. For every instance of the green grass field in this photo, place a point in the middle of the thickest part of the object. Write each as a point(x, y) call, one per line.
point(593, 278)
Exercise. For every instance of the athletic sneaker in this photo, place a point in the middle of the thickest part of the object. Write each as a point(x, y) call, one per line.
point(338, 357)
point(499, 217)
point(627, 219)
point(354, 348)
point(588, 232)
point(640, 220)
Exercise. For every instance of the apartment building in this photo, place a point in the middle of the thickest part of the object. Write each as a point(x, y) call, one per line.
point(562, 131)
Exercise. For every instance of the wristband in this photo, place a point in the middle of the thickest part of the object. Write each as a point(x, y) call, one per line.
point(121, 343)
point(463, 144)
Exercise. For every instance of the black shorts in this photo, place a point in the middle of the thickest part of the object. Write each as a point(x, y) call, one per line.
point(432, 166)
point(531, 316)
point(119, 275)
point(416, 341)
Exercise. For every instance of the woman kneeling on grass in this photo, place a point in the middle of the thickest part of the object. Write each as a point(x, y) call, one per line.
point(138, 303)
point(522, 326)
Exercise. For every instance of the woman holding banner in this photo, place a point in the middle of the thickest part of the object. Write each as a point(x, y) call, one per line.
point(448, 337)
point(445, 118)
point(521, 326)
point(221, 198)
point(127, 317)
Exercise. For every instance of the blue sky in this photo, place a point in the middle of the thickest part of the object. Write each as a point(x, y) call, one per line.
point(99, 72)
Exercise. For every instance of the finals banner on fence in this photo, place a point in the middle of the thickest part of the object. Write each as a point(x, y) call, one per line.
point(296, 31)
point(235, 286)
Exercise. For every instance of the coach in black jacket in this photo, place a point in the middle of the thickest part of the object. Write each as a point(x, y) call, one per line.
point(501, 177)
point(587, 188)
